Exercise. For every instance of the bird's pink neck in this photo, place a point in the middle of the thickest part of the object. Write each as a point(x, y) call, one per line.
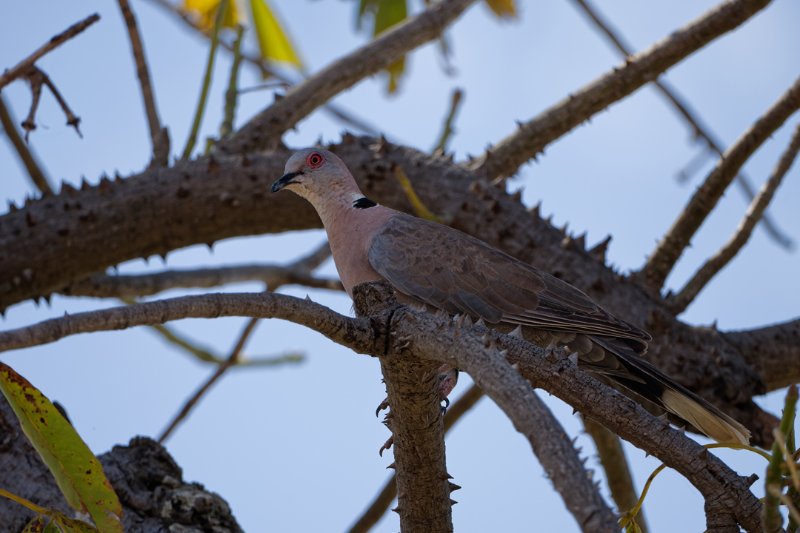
point(350, 231)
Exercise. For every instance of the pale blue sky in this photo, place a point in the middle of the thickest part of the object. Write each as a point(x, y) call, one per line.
point(295, 449)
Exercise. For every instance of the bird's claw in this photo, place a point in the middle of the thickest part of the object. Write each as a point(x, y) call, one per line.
point(386, 446)
point(383, 405)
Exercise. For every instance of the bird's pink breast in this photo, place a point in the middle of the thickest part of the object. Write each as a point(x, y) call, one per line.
point(350, 233)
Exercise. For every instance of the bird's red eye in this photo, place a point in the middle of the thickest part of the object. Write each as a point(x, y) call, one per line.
point(314, 160)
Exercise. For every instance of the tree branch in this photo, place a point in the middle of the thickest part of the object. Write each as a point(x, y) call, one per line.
point(423, 486)
point(21, 68)
point(473, 348)
point(67, 237)
point(680, 301)
point(618, 474)
point(35, 172)
point(684, 110)
point(547, 438)
point(705, 198)
point(465, 347)
point(137, 285)
point(266, 128)
point(773, 351)
point(37, 79)
point(158, 135)
point(530, 139)
point(254, 305)
point(380, 504)
point(230, 361)
point(632, 422)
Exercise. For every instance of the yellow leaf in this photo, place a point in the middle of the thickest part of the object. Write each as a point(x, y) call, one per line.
point(395, 72)
point(206, 11)
point(272, 40)
point(503, 8)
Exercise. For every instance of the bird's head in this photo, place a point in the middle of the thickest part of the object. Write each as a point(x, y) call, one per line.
point(316, 174)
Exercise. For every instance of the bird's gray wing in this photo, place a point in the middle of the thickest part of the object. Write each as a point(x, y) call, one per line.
point(451, 270)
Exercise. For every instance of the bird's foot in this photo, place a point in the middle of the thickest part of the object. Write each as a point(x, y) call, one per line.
point(386, 446)
point(382, 406)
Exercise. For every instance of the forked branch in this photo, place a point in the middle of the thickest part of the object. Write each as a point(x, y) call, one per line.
point(530, 139)
point(680, 301)
point(705, 198)
point(21, 68)
point(474, 348)
point(684, 110)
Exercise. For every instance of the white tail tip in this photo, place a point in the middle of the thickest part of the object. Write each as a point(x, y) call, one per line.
point(716, 425)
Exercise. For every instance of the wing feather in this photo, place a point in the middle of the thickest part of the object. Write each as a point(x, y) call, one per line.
point(451, 270)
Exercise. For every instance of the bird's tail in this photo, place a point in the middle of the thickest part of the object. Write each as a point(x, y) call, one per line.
point(645, 380)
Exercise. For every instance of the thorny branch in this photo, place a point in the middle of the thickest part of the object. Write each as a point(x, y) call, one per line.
point(671, 247)
point(302, 266)
point(388, 492)
point(742, 502)
point(530, 139)
point(680, 301)
point(684, 110)
point(618, 474)
point(22, 68)
point(267, 127)
point(532, 418)
point(443, 340)
point(67, 238)
point(414, 418)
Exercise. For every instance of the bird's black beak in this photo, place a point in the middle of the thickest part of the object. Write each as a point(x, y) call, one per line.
point(285, 180)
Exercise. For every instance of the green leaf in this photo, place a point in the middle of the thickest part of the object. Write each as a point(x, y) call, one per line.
point(387, 14)
point(272, 40)
point(77, 471)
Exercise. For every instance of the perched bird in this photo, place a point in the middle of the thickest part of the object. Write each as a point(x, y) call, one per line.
point(440, 267)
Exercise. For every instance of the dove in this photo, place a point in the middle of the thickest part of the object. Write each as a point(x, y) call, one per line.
point(442, 268)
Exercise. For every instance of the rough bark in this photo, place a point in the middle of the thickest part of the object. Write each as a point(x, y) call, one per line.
point(147, 480)
point(76, 233)
point(773, 351)
point(484, 353)
point(416, 422)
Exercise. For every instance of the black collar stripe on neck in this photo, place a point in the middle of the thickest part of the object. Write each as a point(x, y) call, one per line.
point(364, 203)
